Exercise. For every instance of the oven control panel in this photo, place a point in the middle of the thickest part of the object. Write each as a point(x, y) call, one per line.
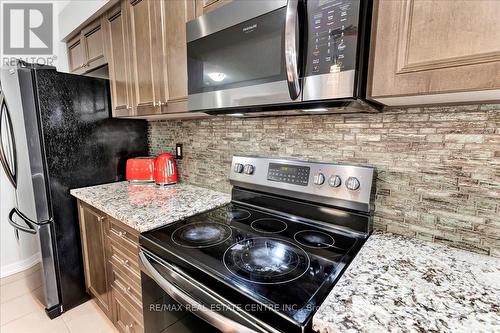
point(337, 183)
point(288, 173)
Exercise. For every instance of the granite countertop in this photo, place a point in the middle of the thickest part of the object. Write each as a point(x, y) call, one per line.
point(398, 284)
point(147, 206)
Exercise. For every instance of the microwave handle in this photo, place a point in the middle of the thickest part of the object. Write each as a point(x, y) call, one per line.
point(291, 54)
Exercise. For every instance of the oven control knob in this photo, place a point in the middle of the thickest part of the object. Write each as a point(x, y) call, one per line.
point(335, 181)
point(248, 169)
point(238, 168)
point(352, 183)
point(319, 179)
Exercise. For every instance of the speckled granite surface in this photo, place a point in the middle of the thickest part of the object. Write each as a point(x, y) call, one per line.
point(398, 284)
point(145, 207)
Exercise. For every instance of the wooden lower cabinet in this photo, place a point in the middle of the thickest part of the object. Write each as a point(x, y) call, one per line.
point(112, 274)
point(95, 245)
point(124, 316)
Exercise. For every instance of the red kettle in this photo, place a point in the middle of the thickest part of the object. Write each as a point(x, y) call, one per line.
point(165, 169)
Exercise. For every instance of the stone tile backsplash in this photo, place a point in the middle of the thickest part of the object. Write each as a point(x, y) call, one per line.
point(438, 168)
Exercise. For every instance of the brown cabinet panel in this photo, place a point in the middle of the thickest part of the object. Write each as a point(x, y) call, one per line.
point(190, 6)
point(146, 68)
point(93, 39)
point(434, 47)
point(125, 317)
point(176, 14)
point(94, 245)
point(86, 51)
point(119, 71)
point(112, 275)
point(76, 55)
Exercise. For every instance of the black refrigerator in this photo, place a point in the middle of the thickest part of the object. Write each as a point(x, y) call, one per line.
point(57, 134)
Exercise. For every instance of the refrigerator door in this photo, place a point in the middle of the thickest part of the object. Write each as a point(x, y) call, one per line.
point(83, 146)
point(32, 213)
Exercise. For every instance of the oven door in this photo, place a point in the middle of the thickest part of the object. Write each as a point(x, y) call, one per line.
point(173, 302)
point(244, 54)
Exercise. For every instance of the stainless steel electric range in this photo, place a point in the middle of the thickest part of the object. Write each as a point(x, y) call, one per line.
point(264, 262)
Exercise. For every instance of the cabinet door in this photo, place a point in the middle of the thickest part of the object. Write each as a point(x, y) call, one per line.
point(76, 55)
point(176, 14)
point(146, 63)
point(119, 69)
point(94, 246)
point(435, 51)
point(125, 317)
point(93, 39)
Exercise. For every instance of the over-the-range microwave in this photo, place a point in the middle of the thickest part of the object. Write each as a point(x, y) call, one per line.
point(254, 56)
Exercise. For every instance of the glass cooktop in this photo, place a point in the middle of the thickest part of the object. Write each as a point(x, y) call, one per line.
point(287, 264)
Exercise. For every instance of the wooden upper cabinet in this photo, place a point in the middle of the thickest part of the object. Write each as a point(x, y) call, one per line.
point(119, 68)
point(176, 14)
point(435, 51)
point(93, 39)
point(76, 55)
point(93, 231)
point(86, 51)
point(147, 68)
point(147, 52)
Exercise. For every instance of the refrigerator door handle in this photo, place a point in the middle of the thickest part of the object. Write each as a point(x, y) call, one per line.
point(8, 159)
point(31, 229)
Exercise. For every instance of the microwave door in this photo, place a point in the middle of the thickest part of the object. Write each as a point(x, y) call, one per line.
point(243, 63)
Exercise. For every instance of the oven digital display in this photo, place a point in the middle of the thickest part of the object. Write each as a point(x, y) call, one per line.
point(287, 173)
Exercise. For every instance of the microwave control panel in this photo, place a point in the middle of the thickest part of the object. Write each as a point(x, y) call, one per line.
point(332, 36)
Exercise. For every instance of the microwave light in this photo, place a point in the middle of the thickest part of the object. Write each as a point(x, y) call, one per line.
point(316, 110)
point(235, 114)
point(217, 76)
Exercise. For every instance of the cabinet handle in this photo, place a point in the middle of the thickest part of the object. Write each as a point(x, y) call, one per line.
point(101, 218)
point(122, 234)
point(128, 327)
point(125, 262)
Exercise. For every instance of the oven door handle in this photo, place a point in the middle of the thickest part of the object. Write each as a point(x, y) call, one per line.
point(217, 320)
point(291, 53)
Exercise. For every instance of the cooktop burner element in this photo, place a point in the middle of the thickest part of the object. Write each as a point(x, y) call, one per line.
point(269, 225)
point(198, 235)
point(314, 239)
point(266, 260)
point(238, 214)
